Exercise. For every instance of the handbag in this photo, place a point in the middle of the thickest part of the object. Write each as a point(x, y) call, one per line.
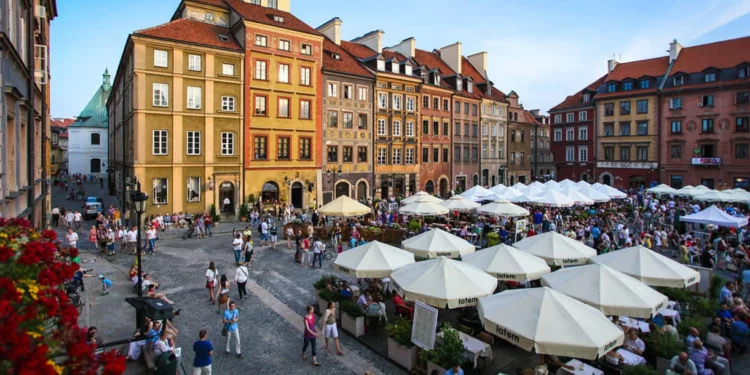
point(223, 298)
point(224, 331)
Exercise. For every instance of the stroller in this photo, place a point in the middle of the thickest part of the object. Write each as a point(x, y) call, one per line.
point(189, 233)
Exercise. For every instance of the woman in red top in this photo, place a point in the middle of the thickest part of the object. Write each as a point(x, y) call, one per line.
point(309, 336)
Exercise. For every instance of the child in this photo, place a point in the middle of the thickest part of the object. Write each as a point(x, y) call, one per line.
point(106, 284)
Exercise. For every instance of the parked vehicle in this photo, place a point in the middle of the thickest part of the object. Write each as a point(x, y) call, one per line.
point(92, 210)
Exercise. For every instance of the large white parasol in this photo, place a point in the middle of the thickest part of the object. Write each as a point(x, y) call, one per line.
point(421, 197)
point(503, 207)
point(556, 249)
point(344, 206)
point(375, 259)
point(552, 198)
point(438, 243)
point(459, 203)
point(422, 208)
point(507, 263)
point(650, 267)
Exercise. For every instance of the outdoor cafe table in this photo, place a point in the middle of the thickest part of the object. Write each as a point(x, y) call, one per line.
point(587, 370)
point(635, 323)
point(672, 314)
point(630, 358)
point(474, 348)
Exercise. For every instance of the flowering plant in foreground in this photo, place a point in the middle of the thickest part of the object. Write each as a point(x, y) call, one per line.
point(39, 332)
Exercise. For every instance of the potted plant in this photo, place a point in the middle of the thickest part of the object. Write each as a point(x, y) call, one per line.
point(493, 239)
point(640, 370)
point(214, 217)
point(352, 318)
point(400, 348)
point(414, 226)
point(244, 212)
point(325, 296)
point(449, 351)
point(661, 345)
point(321, 283)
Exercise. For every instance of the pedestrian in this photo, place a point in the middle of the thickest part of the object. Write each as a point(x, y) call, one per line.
point(264, 238)
point(133, 239)
point(240, 277)
point(455, 369)
point(231, 316)
point(237, 247)
point(55, 216)
point(309, 336)
point(71, 238)
point(110, 242)
point(209, 225)
point(274, 235)
point(223, 293)
point(127, 217)
point(122, 234)
point(298, 243)
point(289, 235)
point(151, 238)
point(227, 205)
point(203, 351)
point(69, 217)
point(106, 284)
point(211, 282)
point(328, 322)
point(78, 218)
point(305, 258)
point(92, 239)
point(318, 248)
point(248, 249)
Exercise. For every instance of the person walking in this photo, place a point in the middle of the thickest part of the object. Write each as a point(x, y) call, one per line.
point(298, 243)
point(69, 217)
point(309, 336)
point(248, 248)
point(237, 247)
point(328, 323)
point(92, 239)
point(203, 351)
point(305, 258)
point(151, 237)
point(78, 219)
point(230, 318)
point(240, 277)
point(289, 236)
point(71, 238)
point(223, 293)
point(274, 232)
point(318, 248)
point(110, 242)
point(211, 282)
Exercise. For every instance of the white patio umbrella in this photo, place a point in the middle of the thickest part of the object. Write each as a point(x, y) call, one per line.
point(506, 193)
point(583, 183)
point(477, 193)
point(549, 322)
point(556, 249)
point(552, 199)
point(566, 183)
point(609, 290)
point(459, 203)
point(551, 183)
point(714, 196)
point(344, 206)
point(421, 208)
point(503, 207)
point(593, 194)
point(536, 184)
point(507, 263)
point(443, 283)
point(577, 197)
point(662, 189)
point(438, 243)
point(498, 188)
point(375, 260)
point(650, 267)
point(523, 198)
point(685, 191)
point(534, 190)
point(519, 186)
point(421, 197)
point(610, 191)
point(739, 195)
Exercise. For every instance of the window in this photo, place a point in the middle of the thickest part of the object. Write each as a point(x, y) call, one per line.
point(304, 109)
point(675, 151)
point(193, 143)
point(381, 65)
point(609, 153)
point(227, 144)
point(484, 151)
point(306, 49)
point(466, 153)
point(409, 159)
point(457, 107)
point(382, 100)
point(396, 128)
point(194, 97)
point(707, 101)
point(425, 101)
point(624, 128)
point(642, 153)
point(484, 130)
point(675, 103)
point(436, 103)
point(425, 155)
point(627, 86)
point(161, 95)
point(611, 87)
point(227, 69)
point(625, 153)
point(362, 154)
point(558, 118)
point(446, 105)
point(381, 127)
point(348, 120)
point(260, 105)
point(558, 135)
point(445, 155)
point(583, 134)
point(708, 151)
point(161, 58)
point(570, 154)
point(459, 85)
point(397, 102)
point(742, 124)
point(641, 106)
point(474, 130)
point(159, 141)
point(194, 63)
point(333, 90)
point(609, 109)
point(625, 108)
point(678, 81)
point(513, 136)
point(676, 127)
point(283, 148)
point(445, 129)
point(707, 125)
point(458, 128)
point(304, 76)
point(283, 107)
point(333, 119)
point(645, 83)
point(743, 72)
point(410, 128)
point(676, 181)
point(348, 91)
point(410, 104)
point(740, 151)
point(642, 128)
point(261, 148)
point(435, 155)
point(474, 109)
point(466, 130)
point(474, 154)
point(586, 97)
point(469, 87)
point(493, 130)
point(160, 190)
point(425, 127)
point(194, 189)
point(582, 116)
point(466, 108)
point(348, 154)
point(609, 130)
point(227, 103)
point(583, 154)
point(709, 77)
point(396, 156)
point(361, 93)
point(513, 158)
point(569, 117)
point(261, 70)
point(284, 45)
point(95, 138)
point(570, 134)
point(273, 4)
point(382, 156)
point(304, 149)
point(743, 97)
point(261, 40)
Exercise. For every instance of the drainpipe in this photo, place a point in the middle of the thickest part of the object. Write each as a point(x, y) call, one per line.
point(4, 129)
point(30, 121)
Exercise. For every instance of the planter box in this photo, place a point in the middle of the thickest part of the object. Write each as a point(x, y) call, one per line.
point(433, 367)
point(406, 357)
point(355, 326)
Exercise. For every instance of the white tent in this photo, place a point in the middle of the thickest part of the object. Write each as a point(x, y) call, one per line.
point(523, 198)
point(685, 191)
point(375, 259)
point(421, 208)
point(593, 194)
point(583, 183)
point(443, 282)
point(459, 203)
point(556, 249)
point(519, 186)
point(477, 193)
point(498, 188)
point(507, 263)
point(344, 206)
point(438, 243)
point(611, 291)
point(536, 184)
point(610, 191)
point(533, 190)
point(715, 196)
point(739, 195)
point(577, 197)
point(650, 267)
point(549, 322)
point(552, 183)
point(507, 193)
point(421, 197)
point(552, 199)
point(567, 183)
point(503, 207)
point(662, 189)
point(714, 215)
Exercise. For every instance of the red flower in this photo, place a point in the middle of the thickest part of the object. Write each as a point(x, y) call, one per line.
point(49, 235)
point(47, 277)
point(5, 253)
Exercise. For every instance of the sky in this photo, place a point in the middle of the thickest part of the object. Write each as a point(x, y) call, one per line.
point(544, 50)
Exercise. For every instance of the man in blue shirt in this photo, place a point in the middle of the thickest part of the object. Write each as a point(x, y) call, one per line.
point(203, 351)
point(231, 316)
point(739, 331)
point(455, 370)
point(596, 232)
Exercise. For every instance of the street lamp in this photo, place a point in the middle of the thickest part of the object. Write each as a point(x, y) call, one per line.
point(139, 199)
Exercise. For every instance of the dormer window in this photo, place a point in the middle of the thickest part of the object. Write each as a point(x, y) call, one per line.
point(611, 87)
point(436, 79)
point(209, 16)
point(394, 67)
point(469, 87)
point(645, 83)
point(627, 86)
point(744, 72)
point(335, 56)
point(709, 77)
point(407, 70)
point(223, 37)
point(459, 84)
point(678, 81)
point(586, 97)
point(278, 19)
point(381, 65)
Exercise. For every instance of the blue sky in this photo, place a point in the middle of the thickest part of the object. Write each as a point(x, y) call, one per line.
point(544, 50)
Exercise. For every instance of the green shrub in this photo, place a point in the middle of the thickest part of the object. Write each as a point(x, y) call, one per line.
point(321, 283)
point(704, 307)
point(493, 239)
point(699, 322)
point(662, 345)
point(717, 282)
point(244, 210)
point(676, 294)
point(212, 211)
point(329, 295)
point(400, 331)
point(414, 226)
point(251, 198)
point(640, 370)
point(350, 308)
point(450, 350)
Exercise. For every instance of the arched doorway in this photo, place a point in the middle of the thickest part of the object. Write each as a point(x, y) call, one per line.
point(361, 190)
point(443, 187)
point(342, 188)
point(429, 187)
point(607, 180)
point(476, 180)
point(226, 197)
point(584, 178)
point(384, 190)
point(512, 180)
point(270, 192)
point(298, 192)
point(96, 165)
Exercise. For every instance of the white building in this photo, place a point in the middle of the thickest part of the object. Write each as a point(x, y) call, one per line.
point(87, 137)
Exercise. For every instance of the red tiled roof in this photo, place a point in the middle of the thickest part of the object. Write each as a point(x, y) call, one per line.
point(655, 67)
point(216, 3)
point(391, 54)
point(194, 32)
point(62, 122)
point(432, 61)
point(63, 135)
point(359, 51)
point(530, 118)
point(576, 100)
point(347, 64)
point(474, 95)
point(264, 15)
point(469, 70)
point(625, 93)
point(720, 55)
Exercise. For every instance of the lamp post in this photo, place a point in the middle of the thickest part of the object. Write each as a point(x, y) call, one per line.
point(139, 199)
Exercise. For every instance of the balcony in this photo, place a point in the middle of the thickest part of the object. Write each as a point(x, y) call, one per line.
point(706, 161)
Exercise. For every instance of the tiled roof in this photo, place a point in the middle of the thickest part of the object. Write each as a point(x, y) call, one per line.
point(605, 95)
point(193, 32)
point(475, 94)
point(655, 67)
point(348, 64)
point(264, 15)
point(216, 3)
point(432, 61)
point(576, 100)
point(721, 55)
point(469, 70)
point(530, 118)
point(62, 121)
point(359, 51)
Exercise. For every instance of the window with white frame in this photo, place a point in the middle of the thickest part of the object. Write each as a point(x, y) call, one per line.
point(569, 117)
point(160, 190)
point(227, 69)
point(500, 131)
point(159, 142)
point(194, 63)
point(261, 70)
point(193, 97)
point(570, 134)
point(193, 143)
point(396, 128)
point(304, 109)
point(583, 133)
point(283, 110)
point(284, 45)
point(193, 189)
point(227, 143)
point(361, 93)
point(558, 118)
point(348, 91)
point(227, 103)
point(582, 116)
point(409, 156)
point(381, 127)
point(333, 90)
point(570, 154)
point(161, 58)
point(396, 156)
point(283, 73)
point(161, 95)
point(484, 129)
point(382, 100)
point(397, 102)
point(306, 49)
point(382, 156)
point(261, 40)
point(381, 65)
point(583, 153)
point(304, 76)
point(410, 104)
point(493, 130)
point(410, 128)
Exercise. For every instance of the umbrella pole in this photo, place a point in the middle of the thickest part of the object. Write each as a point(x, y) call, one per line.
point(542, 356)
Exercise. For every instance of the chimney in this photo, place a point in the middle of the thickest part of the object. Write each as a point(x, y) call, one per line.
point(611, 64)
point(332, 29)
point(373, 40)
point(535, 112)
point(674, 50)
point(406, 47)
point(479, 60)
point(452, 56)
